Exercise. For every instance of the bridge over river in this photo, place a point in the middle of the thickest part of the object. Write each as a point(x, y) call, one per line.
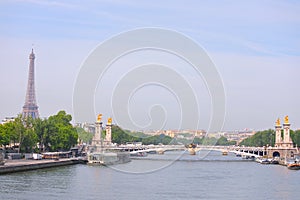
point(160, 149)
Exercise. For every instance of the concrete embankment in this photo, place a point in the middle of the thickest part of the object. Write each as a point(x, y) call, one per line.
point(12, 166)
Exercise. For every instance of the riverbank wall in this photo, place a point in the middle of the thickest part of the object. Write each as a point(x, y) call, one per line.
point(26, 165)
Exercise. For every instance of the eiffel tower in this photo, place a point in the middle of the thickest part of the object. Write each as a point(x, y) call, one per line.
point(30, 108)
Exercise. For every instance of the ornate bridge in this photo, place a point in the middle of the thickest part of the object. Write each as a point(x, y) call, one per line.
point(160, 149)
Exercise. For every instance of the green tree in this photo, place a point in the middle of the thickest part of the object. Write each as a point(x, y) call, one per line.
point(222, 141)
point(9, 133)
point(261, 138)
point(295, 135)
point(52, 134)
point(42, 130)
point(21, 131)
point(19, 126)
point(157, 139)
point(4, 136)
point(62, 135)
point(120, 136)
point(84, 136)
point(198, 140)
point(29, 141)
point(209, 141)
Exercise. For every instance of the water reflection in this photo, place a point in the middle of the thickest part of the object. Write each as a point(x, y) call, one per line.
point(214, 177)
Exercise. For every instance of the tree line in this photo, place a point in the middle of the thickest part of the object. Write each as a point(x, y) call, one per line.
point(121, 136)
point(222, 141)
point(267, 138)
point(55, 133)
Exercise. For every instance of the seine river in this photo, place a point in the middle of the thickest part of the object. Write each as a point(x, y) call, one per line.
point(202, 176)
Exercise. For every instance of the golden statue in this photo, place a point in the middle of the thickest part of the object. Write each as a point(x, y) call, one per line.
point(109, 121)
point(278, 122)
point(99, 118)
point(286, 119)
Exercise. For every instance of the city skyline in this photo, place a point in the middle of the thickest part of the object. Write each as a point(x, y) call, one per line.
point(253, 45)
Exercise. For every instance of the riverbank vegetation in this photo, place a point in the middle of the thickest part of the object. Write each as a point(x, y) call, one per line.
point(37, 135)
point(84, 136)
point(222, 141)
point(267, 138)
point(121, 136)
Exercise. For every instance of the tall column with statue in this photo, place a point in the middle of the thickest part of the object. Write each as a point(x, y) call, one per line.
point(286, 133)
point(98, 129)
point(108, 131)
point(278, 138)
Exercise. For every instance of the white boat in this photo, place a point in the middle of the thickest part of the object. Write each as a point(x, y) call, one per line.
point(108, 158)
point(263, 160)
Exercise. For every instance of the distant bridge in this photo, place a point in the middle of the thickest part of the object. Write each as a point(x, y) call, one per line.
point(160, 149)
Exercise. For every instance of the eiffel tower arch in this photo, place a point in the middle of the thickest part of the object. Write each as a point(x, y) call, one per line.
point(30, 108)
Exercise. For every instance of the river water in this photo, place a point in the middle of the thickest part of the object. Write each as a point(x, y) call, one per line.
point(207, 175)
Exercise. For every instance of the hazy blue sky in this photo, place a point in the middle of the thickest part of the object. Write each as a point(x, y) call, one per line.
point(255, 45)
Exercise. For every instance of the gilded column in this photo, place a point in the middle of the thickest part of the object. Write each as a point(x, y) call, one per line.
point(286, 133)
point(98, 130)
point(108, 131)
point(278, 138)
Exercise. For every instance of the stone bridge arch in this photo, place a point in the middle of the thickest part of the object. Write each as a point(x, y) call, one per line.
point(276, 154)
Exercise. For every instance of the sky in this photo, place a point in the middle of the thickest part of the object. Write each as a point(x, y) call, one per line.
point(254, 45)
